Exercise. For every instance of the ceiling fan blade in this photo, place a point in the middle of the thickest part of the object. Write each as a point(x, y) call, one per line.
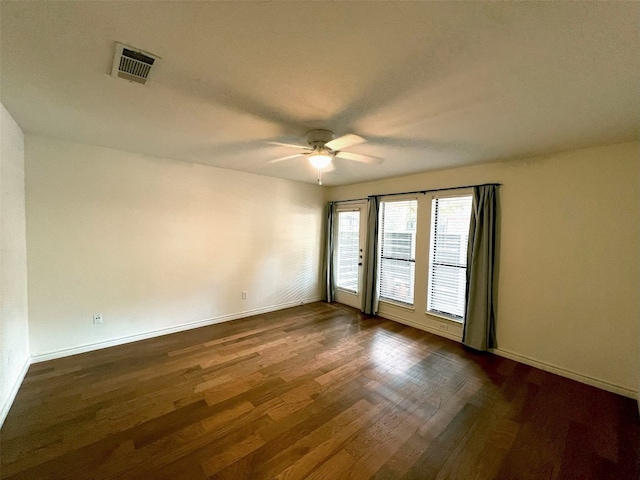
point(345, 141)
point(287, 157)
point(357, 157)
point(280, 144)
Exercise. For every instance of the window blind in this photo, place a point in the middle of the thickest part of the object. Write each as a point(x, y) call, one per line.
point(450, 221)
point(397, 250)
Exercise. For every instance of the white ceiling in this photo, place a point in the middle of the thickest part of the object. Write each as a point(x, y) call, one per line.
point(430, 85)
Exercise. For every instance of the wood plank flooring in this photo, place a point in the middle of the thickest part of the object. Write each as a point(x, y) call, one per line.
point(313, 392)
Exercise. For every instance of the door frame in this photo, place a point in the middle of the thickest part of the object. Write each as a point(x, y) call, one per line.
point(343, 296)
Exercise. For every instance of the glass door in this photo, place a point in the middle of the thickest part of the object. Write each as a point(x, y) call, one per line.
point(349, 254)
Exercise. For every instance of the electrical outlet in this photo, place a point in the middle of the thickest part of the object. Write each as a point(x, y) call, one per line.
point(244, 295)
point(97, 318)
point(444, 327)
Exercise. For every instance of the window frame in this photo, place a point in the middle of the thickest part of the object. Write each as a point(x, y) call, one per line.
point(458, 193)
point(388, 300)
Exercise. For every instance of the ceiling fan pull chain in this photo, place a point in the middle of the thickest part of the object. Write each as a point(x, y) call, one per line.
point(319, 177)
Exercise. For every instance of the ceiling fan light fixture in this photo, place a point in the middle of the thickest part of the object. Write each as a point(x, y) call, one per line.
point(320, 160)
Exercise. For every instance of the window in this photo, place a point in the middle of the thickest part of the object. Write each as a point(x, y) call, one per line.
point(348, 250)
point(397, 250)
point(450, 219)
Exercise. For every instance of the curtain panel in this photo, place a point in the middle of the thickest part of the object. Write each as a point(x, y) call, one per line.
point(479, 327)
point(371, 261)
point(329, 286)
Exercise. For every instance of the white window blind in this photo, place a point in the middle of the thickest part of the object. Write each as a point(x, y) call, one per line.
point(450, 219)
point(397, 250)
point(348, 250)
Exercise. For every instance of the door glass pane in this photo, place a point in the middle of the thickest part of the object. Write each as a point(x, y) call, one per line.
point(348, 250)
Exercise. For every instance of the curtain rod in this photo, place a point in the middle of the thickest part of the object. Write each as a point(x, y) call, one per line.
point(418, 191)
point(435, 190)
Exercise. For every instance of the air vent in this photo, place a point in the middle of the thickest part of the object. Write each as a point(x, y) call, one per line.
point(132, 64)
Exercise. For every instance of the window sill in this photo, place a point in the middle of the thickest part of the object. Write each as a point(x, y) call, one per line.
point(344, 290)
point(404, 306)
point(440, 317)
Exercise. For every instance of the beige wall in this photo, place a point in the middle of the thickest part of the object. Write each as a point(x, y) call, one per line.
point(570, 250)
point(157, 245)
point(14, 330)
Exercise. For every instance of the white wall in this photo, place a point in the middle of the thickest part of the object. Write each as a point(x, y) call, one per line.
point(14, 330)
point(156, 245)
point(570, 249)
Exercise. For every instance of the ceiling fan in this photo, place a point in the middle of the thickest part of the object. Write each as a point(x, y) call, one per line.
point(323, 146)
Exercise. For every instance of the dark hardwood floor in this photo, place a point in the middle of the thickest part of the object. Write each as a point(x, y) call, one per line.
point(313, 392)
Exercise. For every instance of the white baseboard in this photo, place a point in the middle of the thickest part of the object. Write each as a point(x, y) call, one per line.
point(43, 357)
point(594, 382)
point(6, 406)
point(610, 387)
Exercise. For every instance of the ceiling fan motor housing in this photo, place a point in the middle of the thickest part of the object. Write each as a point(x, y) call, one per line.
point(318, 138)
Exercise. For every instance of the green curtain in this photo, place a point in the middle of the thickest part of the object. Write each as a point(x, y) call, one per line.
point(479, 327)
point(371, 261)
point(329, 287)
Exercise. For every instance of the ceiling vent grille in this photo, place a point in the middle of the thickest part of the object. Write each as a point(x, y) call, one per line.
point(132, 64)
